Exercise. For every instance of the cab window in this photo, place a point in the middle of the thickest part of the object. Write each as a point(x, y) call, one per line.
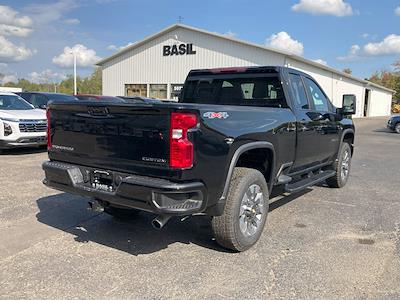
point(299, 92)
point(318, 98)
point(224, 89)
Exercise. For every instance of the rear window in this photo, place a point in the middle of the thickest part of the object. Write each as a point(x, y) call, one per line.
point(84, 98)
point(111, 99)
point(235, 90)
point(100, 98)
point(61, 97)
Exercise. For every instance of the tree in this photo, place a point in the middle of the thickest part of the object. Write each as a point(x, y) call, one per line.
point(396, 66)
point(91, 84)
point(86, 85)
point(347, 71)
point(388, 79)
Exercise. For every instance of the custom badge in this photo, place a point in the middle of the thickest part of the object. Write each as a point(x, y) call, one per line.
point(216, 115)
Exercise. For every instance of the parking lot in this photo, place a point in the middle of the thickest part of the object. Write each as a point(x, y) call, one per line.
point(322, 243)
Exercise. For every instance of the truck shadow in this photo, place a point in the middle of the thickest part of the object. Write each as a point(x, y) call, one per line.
point(384, 130)
point(278, 199)
point(68, 213)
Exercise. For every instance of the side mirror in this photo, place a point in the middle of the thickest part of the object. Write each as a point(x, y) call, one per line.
point(43, 106)
point(316, 116)
point(349, 105)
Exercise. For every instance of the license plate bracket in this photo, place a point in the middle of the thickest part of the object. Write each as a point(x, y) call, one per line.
point(102, 180)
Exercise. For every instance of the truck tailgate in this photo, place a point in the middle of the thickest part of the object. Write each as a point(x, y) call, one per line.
point(110, 135)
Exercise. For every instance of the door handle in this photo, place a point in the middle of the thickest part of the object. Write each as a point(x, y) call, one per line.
point(302, 125)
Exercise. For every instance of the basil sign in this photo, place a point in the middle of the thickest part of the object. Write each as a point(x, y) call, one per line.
point(180, 49)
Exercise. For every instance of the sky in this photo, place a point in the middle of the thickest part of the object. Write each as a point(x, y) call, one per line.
point(37, 38)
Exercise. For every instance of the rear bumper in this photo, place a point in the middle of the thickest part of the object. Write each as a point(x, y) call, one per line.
point(155, 195)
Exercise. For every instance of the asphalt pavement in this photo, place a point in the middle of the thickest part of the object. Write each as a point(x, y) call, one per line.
point(320, 244)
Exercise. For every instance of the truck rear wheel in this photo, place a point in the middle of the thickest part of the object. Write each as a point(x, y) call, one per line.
point(342, 167)
point(121, 213)
point(245, 213)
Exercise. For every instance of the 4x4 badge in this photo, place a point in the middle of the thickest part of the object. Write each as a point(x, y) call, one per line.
point(216, 115)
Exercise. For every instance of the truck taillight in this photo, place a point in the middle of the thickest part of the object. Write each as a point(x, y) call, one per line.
point(181, 149)
point(49, 143)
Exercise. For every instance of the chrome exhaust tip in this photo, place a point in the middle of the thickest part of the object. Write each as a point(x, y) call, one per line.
point(160, 221)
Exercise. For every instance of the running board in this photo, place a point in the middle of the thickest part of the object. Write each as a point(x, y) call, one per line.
point(305, 183)
point(283, 179)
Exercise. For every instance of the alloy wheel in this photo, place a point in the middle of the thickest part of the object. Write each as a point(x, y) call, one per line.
point(251, 210)
point(345, 166)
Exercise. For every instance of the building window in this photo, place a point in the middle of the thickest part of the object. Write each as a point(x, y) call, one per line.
point(158, 91)
point(136, 90)
point(176, 91)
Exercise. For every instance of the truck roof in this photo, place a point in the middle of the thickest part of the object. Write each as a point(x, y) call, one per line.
point(230, 70)
point(249, 69)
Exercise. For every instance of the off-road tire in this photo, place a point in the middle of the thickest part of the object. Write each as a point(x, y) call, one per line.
point(337, 181)
point(226, 227)
point(121, 213)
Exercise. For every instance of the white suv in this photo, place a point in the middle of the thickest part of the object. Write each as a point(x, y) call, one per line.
point(21, 125)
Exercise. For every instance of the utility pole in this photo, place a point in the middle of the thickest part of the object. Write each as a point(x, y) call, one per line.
point(75, 88)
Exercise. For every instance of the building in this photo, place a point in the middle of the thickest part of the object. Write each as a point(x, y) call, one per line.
point(10, 89)
point(157, 67)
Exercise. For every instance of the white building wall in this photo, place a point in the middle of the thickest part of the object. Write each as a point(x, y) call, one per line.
point(380, 103)
point(342, 86)
point(10, 89)
point(146, 64)
point(324, 78)
point(334, 85)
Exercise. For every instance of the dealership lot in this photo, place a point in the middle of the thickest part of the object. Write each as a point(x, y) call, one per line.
point(321, 243)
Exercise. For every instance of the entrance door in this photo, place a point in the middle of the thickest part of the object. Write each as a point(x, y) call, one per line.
point(366, 102)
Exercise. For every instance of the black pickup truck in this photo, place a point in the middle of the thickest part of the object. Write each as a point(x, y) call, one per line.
point(234, 135)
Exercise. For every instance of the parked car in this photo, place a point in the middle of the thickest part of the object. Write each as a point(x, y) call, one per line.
point(21, 125)
point(90, 97)
point(40, 100)
point(394, 123)
point(235, 135)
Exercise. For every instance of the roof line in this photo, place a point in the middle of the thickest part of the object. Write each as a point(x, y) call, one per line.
point(233, 39)
point(138, 43)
